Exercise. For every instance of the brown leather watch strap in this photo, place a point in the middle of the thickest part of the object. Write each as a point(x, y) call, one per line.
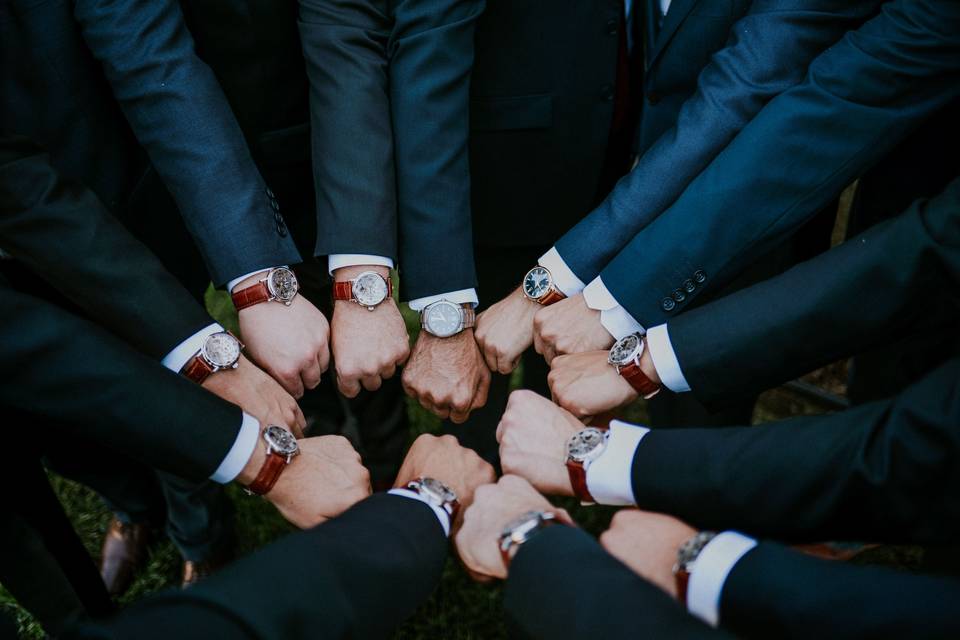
point(343, 290)
point(633, 374)
point(273, 466)
point(551, 296)
point(249, 296)
point(683, 579)
point(197, 369)
point(578, 480)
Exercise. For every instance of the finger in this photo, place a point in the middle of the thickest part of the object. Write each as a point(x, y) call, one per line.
point(459, 417)
point(537, 342)
point(311, 375)
point(490, 358)
point(323, 357)
point(299, 418)
point(371, 383)
point(480, 394)
point(349, 387)
point(549, 353)
point(442, 410)
point(293, 385)
point(387, 372)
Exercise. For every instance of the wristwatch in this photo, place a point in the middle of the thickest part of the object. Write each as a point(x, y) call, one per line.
point(625, 356)
point(538, 286)
point(368, 289)
point(687, 556)
point(221, 350)
point(583, 448)
point(522, 529)
point(281, 448)
point(437, 494)
point(280, 285)
point(444, 318)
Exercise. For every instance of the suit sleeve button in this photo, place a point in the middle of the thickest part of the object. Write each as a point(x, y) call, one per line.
point(667, 304)
point(606, 92)
point(689, 286)
point(679, 295)
point(699, 276)
point(613, 26)
point(281, 224)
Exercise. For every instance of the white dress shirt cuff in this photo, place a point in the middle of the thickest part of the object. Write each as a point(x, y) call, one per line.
point(713, 565)
point(461, 296)
point(240, 452)
point(442, 515)
point(613, 317)
point(188, 348)
point(233, 283)
point(609, 477)
point(339, 260)
point(665, 359)
point(563, 276)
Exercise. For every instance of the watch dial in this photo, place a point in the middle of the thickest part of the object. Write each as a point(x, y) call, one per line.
point(370, 289)
point(586, 444)
point(281, 440)
point(537, 282)
point(283, 284)
point(442, 492)
point(623, 350)
point(442, 319)
point(221, 349)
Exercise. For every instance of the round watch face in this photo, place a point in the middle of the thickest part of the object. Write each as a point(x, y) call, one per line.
point(221, 350)
point(586, 444)
point(438, 491)
point(537, 283)
point(520, 528)
point(625, 349)
point(370, 289)
point(282, 284)
point(443, 319)
point(281, 440)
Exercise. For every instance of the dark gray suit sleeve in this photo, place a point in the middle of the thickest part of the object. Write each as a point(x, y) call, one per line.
point(849, 299)
point(860, 98)
point(562, 584)
point(888, 470)
point(65, 236)
point(774, 592)
point(431, 57)
point(181, 117)
point(768, 52)
point(58, 366)
point(357, 576)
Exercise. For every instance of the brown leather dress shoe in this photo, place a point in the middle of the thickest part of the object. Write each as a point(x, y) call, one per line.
point(196, 570)
point(124, 552)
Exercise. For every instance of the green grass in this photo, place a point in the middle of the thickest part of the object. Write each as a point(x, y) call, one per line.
point(459, 609)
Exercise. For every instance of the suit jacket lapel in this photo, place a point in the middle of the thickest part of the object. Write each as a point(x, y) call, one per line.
point(671, 22)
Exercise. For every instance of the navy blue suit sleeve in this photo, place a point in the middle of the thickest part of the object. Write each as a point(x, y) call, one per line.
point(768, 52)
point(860, 98)
point(774, 592)
point(180, 115)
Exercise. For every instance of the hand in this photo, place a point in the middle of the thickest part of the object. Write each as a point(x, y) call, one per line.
point(585, 384)
point(290, 343)
point(568, 326)
point(367, 345)
point(494, 506)
point(647, 543)
point(322, 482)
point(533, 434)
point(505, 331)
point(442, 458)
point(447, 375)
point(258, 394)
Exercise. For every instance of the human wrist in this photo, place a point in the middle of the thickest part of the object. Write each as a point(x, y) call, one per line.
point(254, 463)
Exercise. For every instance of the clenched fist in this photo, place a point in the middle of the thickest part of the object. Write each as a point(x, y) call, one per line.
point(568, 326)
point(505, 331)
point(447, 375)
point(585, 384)
point(258, 394)
point(533, 434)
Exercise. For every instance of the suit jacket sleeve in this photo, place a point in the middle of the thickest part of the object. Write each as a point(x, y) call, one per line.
point(63, 233)
point(58, 366)
point(357, 576)
point(873, 286)
point(773, 592)
point(181, 117)
point(768, 52)
point(562, 584)
point(888, 470)
point(431, 56)
point(860, 98)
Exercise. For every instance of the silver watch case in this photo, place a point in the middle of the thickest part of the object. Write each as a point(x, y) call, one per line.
point(690, 550)
point(280, 441)
point(626, 350)
point(445, 319)
point(536, 283)
point(435, 492)
point(212, 351)
point(283, 285)
point(369, 289)
point(587, 445)
point(523, 528)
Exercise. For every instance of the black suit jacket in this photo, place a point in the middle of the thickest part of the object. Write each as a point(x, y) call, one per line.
point(886, 471)
point(774, 592)
point(104, 86)
point(63, 234)
point(356, 576)
point(562, 584)
point(856, 296)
